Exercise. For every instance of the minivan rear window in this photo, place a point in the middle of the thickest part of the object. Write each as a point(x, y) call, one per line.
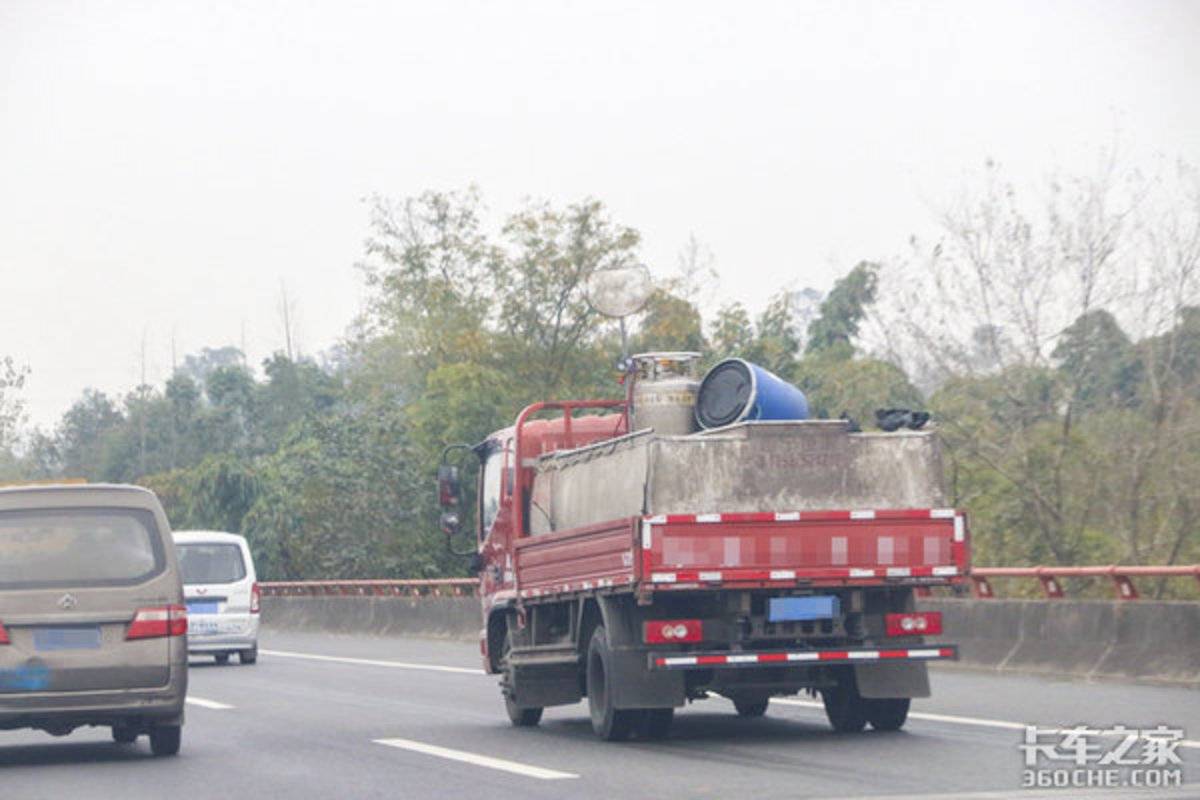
point(46, 548)
point(211, 563)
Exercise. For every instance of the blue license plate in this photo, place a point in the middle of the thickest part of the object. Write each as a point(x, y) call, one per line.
point(83, 638)
point(801, 609)
point(202, 607)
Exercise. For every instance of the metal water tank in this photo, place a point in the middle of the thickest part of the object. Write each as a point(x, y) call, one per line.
point(664, 392)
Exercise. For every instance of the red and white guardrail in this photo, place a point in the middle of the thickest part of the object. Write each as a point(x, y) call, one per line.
point(981, 577)
point(1051, 577)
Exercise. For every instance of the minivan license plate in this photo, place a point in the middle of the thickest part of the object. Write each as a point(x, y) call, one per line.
point(85, 638)
point(202, 607)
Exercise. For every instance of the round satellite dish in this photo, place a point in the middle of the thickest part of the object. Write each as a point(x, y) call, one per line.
point(619, 291)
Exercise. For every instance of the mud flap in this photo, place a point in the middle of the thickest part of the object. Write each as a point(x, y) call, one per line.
point(552, 685)
point(898, 679)
point(635, 685)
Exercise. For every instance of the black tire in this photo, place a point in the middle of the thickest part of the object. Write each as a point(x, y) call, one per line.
point(165, 739)
point(222, 658)
point(844, 706)
point(248, 656)
point(124, 734)
point(888, 714)
point(520, 716)
point(656, 723)
point(609, 723)
point(751, 705)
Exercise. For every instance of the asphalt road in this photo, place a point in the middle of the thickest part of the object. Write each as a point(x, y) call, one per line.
point(348, 717)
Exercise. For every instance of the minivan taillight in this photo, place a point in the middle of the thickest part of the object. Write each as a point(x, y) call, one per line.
point(3, 634)
point(155, 621)
point(255, 599)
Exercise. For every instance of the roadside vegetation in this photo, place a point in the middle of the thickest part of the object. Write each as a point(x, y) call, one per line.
point(1055, 337)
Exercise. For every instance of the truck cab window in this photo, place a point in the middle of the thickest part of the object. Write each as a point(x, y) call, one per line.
point(489, 497)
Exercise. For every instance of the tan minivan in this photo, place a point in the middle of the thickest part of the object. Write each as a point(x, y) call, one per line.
point(92, 621)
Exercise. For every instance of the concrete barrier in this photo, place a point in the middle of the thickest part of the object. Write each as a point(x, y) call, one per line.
point(1138, 640)
point(448, 617)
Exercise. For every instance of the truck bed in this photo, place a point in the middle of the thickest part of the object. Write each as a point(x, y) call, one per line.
point(783, 549)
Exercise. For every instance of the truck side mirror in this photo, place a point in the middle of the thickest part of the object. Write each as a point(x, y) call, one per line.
point(449, 489)
point(450, 523)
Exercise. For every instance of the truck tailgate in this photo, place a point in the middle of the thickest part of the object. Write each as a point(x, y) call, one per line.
point(920, 546)
point(746, 550)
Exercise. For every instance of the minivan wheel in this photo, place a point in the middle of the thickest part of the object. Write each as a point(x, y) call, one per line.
point(608, 722)
point(124, 734)
point(248, 656)
point(222, 658)
point(165, 739)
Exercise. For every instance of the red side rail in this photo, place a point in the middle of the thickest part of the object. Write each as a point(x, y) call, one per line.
point(577, 560)
point(821, 548)
point(524, 451)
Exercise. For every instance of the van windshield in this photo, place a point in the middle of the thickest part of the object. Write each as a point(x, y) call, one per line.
point(211, 563)
point(46, 548)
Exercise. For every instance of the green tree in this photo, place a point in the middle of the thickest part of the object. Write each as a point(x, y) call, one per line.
point(12, 380)
point(1098, 361)
point(82, 443)
point(732, 332)
point(776, 341)
point(842, 311)
point(670, 323)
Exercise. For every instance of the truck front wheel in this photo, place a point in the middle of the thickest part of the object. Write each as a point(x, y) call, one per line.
point(520, 716)
point(609, 722)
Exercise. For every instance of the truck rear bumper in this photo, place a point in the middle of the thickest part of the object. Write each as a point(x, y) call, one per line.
point(777, 658)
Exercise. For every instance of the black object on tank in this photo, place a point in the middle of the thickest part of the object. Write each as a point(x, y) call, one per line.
point(724, 394)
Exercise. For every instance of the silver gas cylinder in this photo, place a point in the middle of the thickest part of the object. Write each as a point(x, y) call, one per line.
point(664, 392)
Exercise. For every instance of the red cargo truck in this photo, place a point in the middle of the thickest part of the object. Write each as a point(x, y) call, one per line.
point(602, 577)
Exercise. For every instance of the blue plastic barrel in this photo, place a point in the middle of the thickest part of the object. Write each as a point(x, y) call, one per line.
point(738, 391)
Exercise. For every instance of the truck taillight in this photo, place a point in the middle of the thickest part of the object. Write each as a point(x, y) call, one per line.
point(255, 599)
point(3, 634)
point(916, 623)
point(667, 631)
point(156, 621)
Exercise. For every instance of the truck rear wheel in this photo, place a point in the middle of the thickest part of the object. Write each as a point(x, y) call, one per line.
point(610, 723)
point(844, 706)
point(888, 714)
point(656, 723)
point(750, 705)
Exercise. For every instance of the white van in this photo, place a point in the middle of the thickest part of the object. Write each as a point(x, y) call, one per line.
point(221, 591)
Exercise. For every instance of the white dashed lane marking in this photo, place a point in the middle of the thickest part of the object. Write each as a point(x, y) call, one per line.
point(515, 767)
point(957, 720)
point(372, 662)
point(213, 704)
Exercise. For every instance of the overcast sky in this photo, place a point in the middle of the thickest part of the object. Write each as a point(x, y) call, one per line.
point(164, 165)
